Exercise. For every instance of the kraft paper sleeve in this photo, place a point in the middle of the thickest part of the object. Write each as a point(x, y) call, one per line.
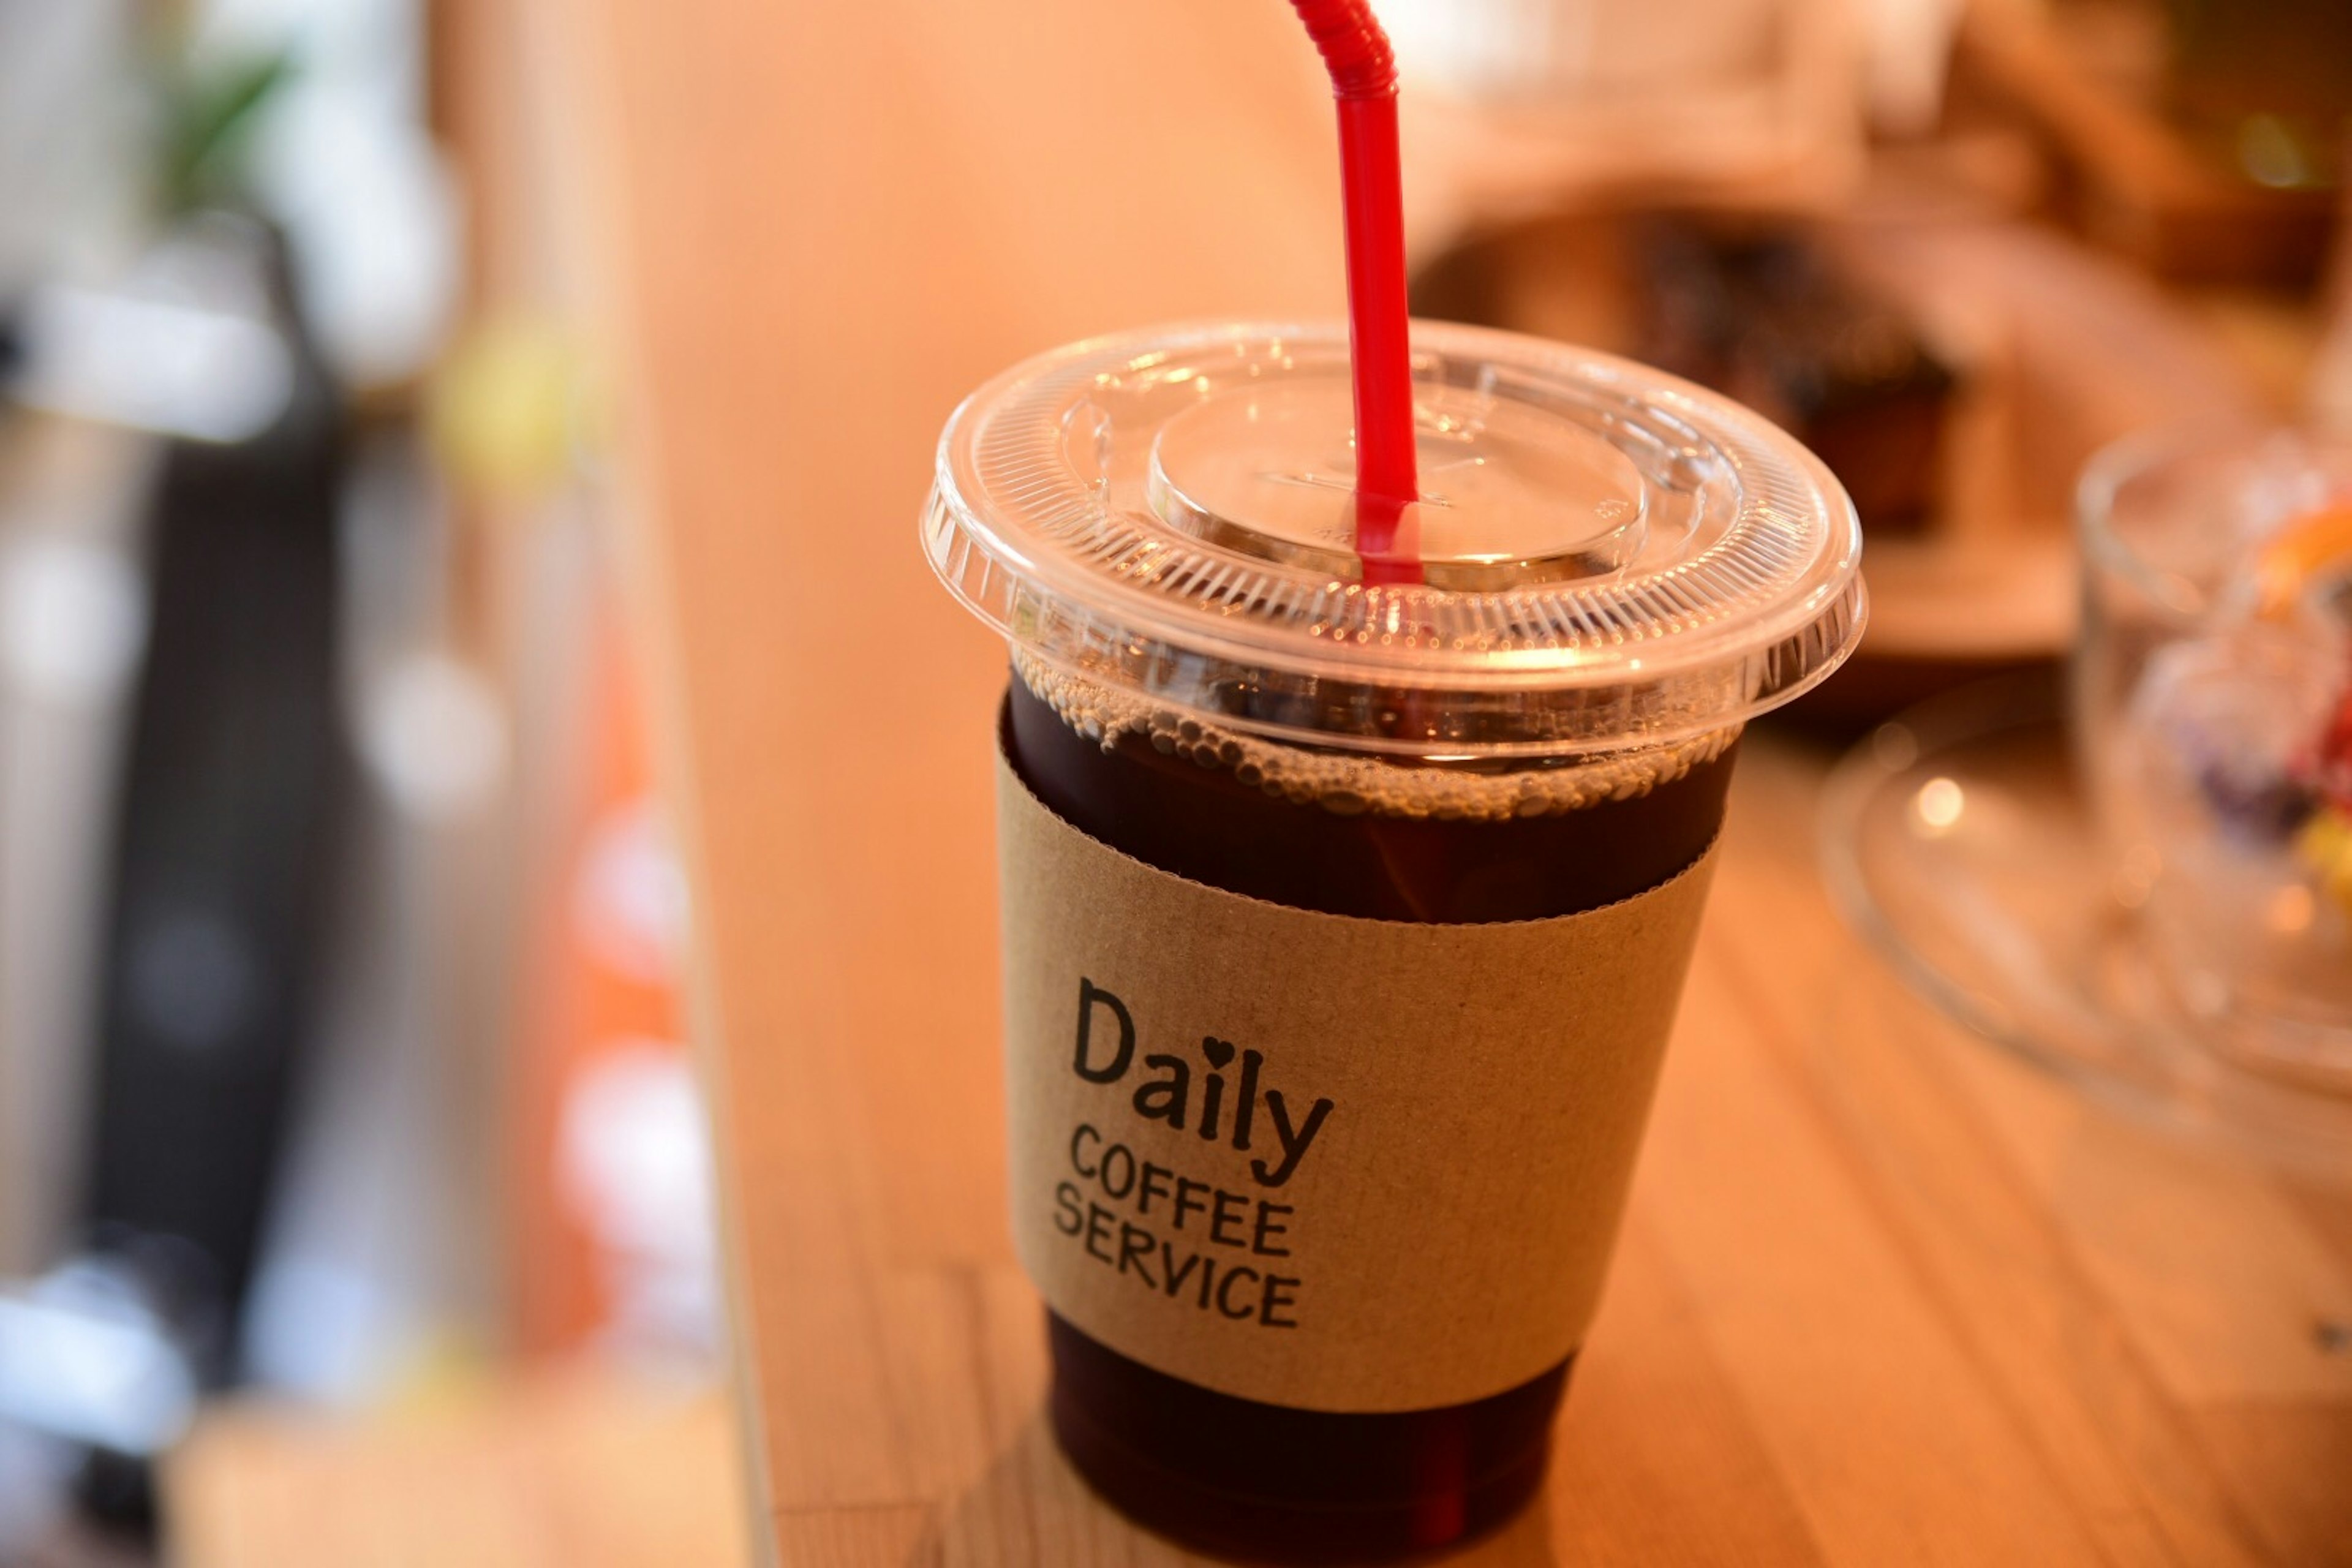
point(1327, 1162)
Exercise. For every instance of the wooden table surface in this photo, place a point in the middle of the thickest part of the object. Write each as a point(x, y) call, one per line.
point(1882, 1299)
point(577, 1468)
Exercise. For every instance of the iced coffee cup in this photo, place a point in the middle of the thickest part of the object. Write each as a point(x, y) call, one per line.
point(1344, 922)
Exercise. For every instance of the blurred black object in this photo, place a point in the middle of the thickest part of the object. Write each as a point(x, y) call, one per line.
point(233, 779)
point(1752, 307)
point(1768, 318)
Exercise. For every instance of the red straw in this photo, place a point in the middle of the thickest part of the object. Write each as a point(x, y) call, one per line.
point(1363, 79)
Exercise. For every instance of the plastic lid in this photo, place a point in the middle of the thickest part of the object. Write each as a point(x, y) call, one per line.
point(1612, 557)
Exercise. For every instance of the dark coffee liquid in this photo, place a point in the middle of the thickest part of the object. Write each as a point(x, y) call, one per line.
point(1233, 1475)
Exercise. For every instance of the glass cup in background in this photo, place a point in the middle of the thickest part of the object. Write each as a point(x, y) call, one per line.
point(1622, 569)
point(2212, 708)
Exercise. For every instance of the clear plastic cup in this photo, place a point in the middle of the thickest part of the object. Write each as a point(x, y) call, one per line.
point(1493, 793)
point(2212, 713)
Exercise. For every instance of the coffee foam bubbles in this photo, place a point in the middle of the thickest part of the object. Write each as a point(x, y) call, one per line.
point(1350, 785)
